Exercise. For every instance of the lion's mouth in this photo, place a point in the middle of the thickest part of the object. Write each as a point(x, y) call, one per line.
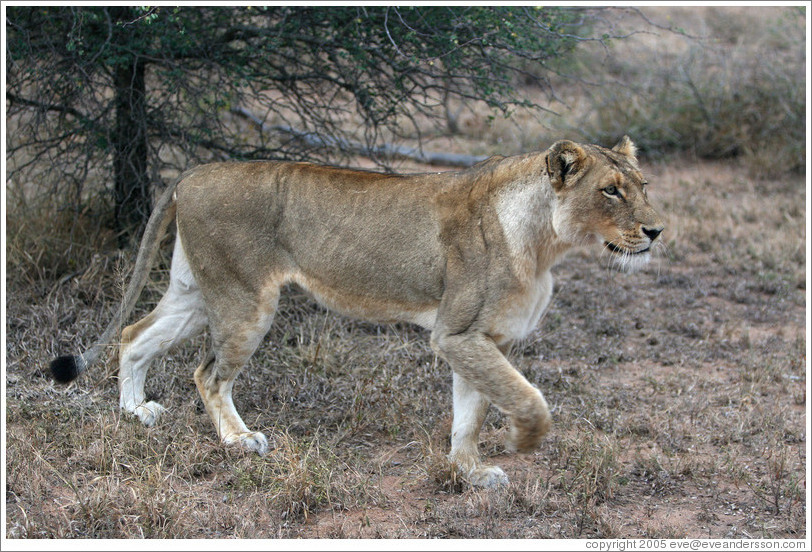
point(622, 250)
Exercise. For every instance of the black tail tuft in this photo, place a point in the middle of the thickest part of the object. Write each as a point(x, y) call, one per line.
point(64, 369)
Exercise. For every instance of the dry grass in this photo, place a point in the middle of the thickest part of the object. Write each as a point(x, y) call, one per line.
point(678, 396)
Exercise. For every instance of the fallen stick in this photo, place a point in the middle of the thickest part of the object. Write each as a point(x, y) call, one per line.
point(315, 139)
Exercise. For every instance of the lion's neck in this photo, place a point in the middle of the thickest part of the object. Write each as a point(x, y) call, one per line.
point(525, 210)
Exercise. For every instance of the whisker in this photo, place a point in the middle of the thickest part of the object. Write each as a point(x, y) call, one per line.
point(618, 261)
point(660, 245)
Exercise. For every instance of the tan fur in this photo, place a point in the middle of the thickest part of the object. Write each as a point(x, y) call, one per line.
point(465, 254)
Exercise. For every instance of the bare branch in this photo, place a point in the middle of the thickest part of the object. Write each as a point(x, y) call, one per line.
point(314, 139)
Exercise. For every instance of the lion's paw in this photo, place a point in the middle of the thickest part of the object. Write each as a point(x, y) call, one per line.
point(487, 476)
point(520, 439)
point(529, 426)
point(149, 412)
point(252, 440)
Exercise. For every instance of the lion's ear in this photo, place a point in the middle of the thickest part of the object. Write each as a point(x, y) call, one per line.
point(626, 147)
point(564, 158)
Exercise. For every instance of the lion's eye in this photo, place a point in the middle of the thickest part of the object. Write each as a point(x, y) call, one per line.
point(611, 191)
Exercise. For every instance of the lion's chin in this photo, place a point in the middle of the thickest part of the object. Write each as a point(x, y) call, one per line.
point(625, 260)
point(633, 263)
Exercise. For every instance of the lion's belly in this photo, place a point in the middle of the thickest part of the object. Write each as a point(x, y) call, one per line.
point(416, 310)
point(522, 312)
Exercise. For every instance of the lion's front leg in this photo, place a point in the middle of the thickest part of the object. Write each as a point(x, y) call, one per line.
point(470, 407)
point(480, 368)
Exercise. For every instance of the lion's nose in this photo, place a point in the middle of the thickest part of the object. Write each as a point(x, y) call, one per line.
point(652, 233)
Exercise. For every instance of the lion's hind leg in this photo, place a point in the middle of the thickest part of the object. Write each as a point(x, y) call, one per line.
point(235, 339)
point(179, 316)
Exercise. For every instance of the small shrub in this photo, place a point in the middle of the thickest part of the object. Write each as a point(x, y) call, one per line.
point(712, 98)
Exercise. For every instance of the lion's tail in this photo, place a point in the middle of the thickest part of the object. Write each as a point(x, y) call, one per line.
point(66, 368)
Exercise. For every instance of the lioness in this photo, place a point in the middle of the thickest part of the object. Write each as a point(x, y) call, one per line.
point(465, 254)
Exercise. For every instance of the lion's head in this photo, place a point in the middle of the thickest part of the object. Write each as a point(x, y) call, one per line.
point(601, 197)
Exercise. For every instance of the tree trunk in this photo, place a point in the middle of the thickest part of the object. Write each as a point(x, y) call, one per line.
point(132, 195)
